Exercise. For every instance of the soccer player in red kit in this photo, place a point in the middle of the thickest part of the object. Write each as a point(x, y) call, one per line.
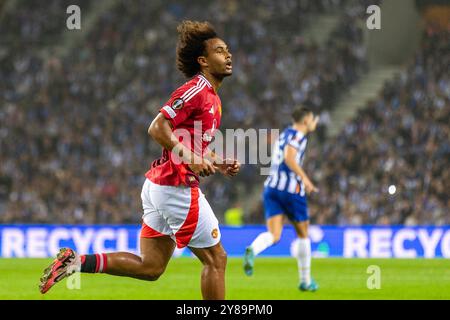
point(176, 212)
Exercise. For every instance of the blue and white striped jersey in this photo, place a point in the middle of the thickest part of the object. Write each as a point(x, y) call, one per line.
point(281, 177)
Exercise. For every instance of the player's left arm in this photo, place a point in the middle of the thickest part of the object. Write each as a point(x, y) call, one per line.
point(290, 154)
point(228, 167)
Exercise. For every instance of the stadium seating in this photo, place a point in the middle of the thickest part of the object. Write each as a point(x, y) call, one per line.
point(74, 144)
point(399, 139)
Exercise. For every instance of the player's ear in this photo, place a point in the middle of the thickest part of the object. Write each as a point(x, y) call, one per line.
point(202, 61)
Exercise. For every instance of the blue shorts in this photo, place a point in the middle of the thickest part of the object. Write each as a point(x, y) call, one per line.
point(293, 205)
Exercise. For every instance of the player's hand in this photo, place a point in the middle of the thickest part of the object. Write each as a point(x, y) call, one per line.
point(310, 187)
point(314, 123)
point(316, 120)
point(229, 167)
point(202, 167)
point(233, 168)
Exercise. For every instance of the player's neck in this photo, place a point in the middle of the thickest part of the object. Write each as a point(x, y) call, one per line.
point(300, 128)
point(215, 83)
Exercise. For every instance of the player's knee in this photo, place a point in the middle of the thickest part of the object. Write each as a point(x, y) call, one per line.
point(303, 234)
point(276, 237)
point(153, 273)
point(218, 261)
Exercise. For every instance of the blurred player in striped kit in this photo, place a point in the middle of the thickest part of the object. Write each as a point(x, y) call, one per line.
point(285, 194)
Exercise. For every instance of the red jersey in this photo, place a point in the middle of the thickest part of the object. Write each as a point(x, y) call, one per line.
point(191, 106)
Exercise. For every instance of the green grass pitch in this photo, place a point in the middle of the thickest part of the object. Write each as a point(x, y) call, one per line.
point(274, 278)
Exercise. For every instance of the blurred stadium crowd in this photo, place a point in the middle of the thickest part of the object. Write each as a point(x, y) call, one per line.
point(399, 139)
point(73, 129)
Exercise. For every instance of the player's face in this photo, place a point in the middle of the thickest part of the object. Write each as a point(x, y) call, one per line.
point(218, 58)
point(310, 122)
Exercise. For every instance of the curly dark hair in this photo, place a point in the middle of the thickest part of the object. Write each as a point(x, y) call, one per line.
point(192, 36)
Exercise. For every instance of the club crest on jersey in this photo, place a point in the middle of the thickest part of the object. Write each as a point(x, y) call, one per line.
point(177, 104)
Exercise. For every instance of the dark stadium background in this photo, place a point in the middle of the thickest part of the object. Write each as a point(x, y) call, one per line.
point(75, 105)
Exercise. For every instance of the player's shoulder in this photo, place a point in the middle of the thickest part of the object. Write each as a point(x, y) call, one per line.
point(294, 135)
point(194, 88)
point(289, 131)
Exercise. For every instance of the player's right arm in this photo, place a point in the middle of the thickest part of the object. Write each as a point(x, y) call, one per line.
point(290, 154)
point(161, 130)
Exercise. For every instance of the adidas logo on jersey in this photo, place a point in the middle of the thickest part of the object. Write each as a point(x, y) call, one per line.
point(206, 137)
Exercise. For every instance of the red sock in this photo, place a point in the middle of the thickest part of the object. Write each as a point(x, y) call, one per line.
point(93, 263)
